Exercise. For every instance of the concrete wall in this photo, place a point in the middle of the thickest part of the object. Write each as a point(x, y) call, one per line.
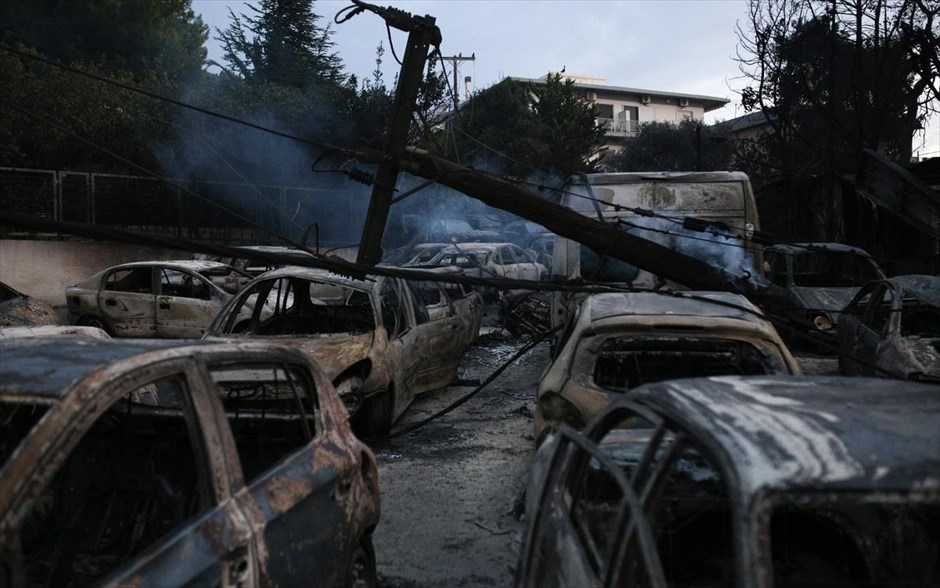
point(43, 269)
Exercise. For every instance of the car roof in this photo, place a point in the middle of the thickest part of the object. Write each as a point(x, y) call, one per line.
point(621, 304)
point(196, 265)
point(470, 247)
point(658, 176)
point(828, 433)
point(45, 369)
point(800, 248)
point(924, 288)
point(319, 275)
point(48, 366)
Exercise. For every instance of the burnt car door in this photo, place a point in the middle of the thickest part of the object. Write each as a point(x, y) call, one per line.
point(186, 304)
point(137, 499)
point(587, 518)
point(127, 303)
point(438, 342)
point(871, 330)
point(297, 481)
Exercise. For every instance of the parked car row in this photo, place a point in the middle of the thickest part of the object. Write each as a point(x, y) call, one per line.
point(232, 460)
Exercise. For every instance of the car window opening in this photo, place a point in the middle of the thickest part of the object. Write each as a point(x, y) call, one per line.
point(133, 478)
point(16, 421)
point(271, 410)
point(840, 544)
point(626, 362)
point(300, 307)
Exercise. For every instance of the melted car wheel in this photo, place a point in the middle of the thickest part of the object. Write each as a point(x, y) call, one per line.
point(362, 572)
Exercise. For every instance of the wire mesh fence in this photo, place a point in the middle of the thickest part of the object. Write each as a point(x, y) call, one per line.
point(220, 212)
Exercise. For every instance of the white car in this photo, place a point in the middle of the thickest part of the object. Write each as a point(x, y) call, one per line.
point(166, 299)
point(491, 260)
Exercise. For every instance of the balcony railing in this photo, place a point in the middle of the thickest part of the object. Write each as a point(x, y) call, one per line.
point(627, 128)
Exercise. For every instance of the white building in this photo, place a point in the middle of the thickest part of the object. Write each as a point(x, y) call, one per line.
point(622, 110)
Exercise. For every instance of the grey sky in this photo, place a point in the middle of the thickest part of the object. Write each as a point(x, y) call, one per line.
point(684, 46)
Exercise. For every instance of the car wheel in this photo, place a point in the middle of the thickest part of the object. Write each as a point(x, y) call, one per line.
point(362, 572)
point(376, 416)
point(93, 321)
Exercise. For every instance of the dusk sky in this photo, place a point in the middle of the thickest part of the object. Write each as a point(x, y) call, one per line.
point(685, 46)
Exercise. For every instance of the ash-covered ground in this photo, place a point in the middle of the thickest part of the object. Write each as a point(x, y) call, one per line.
point(450, 489)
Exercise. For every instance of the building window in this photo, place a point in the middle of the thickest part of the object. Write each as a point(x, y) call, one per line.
point(686, 115)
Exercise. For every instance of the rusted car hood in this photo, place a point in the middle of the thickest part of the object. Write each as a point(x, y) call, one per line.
point(336, 352)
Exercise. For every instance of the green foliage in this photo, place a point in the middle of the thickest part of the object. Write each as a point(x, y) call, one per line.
point(663, 146)
point(282, 43)
point(162, 39)
point(522, 128)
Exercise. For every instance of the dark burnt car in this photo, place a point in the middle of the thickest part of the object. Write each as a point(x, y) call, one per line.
point(19, 310)
point(812, 282)
point(892, 327)
point(149, 463)
point(743, 481)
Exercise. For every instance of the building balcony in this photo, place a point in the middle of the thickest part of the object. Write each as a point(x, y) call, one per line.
point(619, 127)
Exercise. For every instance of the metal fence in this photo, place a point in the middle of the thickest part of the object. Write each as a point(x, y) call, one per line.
point(223, 212)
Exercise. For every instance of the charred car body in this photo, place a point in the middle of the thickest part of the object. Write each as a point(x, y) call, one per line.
point(374, 340)
point(491, 260)
point(619, 341)
point(656, 206)
point(812, 282)
point(19, 310)
point(165, 299)
point(893, 327)
point(137, 463)
point(733, 481)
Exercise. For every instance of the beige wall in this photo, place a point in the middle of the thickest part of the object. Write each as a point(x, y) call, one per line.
point(43, 269)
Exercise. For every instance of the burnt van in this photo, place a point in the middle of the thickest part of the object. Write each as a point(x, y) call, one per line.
point(710, 216)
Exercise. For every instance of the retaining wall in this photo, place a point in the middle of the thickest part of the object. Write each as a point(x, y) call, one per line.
point(43, 269)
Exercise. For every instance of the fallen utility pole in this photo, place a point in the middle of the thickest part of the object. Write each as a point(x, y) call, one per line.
point(599, 236)
point(422, 33)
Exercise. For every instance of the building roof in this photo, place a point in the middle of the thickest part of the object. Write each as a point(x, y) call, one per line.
point(708, 102)
point(826, 433)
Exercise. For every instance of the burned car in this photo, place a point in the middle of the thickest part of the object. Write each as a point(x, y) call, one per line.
point(147, 463)
point(444, 300)
point(376, 342)
point(812, 282)
point(892, 327)
point(490, 260)
point(742, 481)
point(618, 341)
point(19, 310)
point(165, 299)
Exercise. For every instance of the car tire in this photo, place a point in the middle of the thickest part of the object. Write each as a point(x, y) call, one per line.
point(376, 416)
point(93, 321)
point(362, 569)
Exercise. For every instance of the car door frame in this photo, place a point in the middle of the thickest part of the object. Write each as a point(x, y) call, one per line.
point(274, 495)
point(559, 469)
point(185, 327)
point(75, 419)
point(120, 324)
point(438, 343)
